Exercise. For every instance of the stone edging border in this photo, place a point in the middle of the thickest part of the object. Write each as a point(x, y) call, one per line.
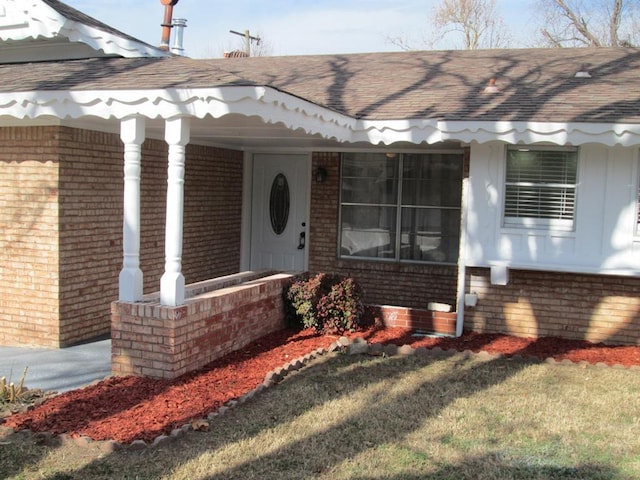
point(355, 346)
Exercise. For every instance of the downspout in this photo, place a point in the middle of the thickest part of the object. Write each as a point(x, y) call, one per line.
point(462, 266)
point(167, 23)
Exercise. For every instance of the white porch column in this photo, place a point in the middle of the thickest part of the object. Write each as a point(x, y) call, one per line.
point(132, 133)
point(177, 133)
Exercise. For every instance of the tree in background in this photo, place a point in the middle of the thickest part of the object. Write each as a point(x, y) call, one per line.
point(475, 20)
point(471, 24)
point(594, 23)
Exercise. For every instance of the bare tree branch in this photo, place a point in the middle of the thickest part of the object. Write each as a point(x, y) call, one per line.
point(614, 24)
point(594, 24)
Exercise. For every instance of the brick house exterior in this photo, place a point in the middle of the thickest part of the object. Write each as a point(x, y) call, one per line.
point(202, 145)
point(62, 224)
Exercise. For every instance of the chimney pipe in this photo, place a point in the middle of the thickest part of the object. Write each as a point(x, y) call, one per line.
point(166, 24)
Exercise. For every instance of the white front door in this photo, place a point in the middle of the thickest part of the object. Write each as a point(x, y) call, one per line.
point(279, 212)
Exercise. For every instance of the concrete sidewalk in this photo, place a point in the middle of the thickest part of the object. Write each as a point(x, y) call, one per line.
point(59, 370)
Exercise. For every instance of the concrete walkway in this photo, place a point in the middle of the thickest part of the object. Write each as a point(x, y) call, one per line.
point(58, 370)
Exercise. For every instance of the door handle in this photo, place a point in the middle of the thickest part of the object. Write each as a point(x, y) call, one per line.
point(301, 241)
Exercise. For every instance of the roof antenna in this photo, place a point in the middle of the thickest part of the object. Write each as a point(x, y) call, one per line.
point(167, 23)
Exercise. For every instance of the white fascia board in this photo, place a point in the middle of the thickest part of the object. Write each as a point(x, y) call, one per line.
point(528, 133)
point(40, 21)
point(270, 105)
point(108, 43)
point(275, 107)
point(386, 132)
point(20, 22)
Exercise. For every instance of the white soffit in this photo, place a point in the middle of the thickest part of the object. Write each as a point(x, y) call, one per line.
point(24, 20)
point(278, 108)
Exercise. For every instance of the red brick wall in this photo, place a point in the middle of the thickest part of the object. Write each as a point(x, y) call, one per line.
point(409, 285)
point(534, 304)
point(29, 236)
point(62, 193)
point(90, 201)
point(213, 210)
point(166, 342)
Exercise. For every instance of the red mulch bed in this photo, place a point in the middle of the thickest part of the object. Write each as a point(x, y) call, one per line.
point(134, 408)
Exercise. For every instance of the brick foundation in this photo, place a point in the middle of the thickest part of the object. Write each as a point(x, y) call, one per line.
point(596, 308)
point(219, 316)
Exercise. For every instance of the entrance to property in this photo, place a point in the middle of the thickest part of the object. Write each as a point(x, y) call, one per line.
point(280, 205)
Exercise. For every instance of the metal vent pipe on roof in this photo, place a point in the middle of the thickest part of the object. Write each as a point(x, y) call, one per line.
point(166, 23)
point(178, 39)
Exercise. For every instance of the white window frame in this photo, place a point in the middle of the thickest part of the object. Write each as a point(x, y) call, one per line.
point(398, 206)
point(541, 223)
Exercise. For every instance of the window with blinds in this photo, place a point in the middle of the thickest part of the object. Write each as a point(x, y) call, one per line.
point(540, 188)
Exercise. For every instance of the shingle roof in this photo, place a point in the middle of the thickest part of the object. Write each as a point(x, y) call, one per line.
point(536, 84)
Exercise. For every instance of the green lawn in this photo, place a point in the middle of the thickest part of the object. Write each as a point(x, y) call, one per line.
point(362, 417)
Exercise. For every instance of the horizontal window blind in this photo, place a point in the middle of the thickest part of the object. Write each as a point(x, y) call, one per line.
point(541, 184)
point(540, 202)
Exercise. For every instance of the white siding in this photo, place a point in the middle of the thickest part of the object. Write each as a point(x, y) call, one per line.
point(604, 239)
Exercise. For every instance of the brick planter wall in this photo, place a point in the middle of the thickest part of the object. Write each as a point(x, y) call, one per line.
point(165, 342)
point(443, 323)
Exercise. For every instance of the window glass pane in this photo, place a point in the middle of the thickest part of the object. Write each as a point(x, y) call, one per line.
point(432, 180)
point(541, 184)
point(429, 206)
point(370, 178)
point(430, 234)
point(368, 231)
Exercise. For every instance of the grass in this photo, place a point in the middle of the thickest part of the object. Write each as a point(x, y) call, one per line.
point(366, 418)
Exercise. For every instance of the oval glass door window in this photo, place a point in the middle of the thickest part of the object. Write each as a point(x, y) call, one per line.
point(279, 203)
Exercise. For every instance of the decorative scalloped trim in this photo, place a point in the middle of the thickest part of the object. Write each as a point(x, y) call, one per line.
point(275, 107)
point(538, 132)
point(40, 21)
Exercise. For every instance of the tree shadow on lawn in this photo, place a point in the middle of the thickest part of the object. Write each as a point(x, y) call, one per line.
point(401, 411)
point(486, 467)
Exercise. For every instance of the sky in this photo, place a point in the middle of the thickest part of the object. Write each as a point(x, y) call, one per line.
point(293, 27)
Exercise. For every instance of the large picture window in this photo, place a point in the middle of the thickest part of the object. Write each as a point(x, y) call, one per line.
point(540, 188)
point(402, 207)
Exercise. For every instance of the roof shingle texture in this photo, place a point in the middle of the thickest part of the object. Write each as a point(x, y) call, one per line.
point(535, 84)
